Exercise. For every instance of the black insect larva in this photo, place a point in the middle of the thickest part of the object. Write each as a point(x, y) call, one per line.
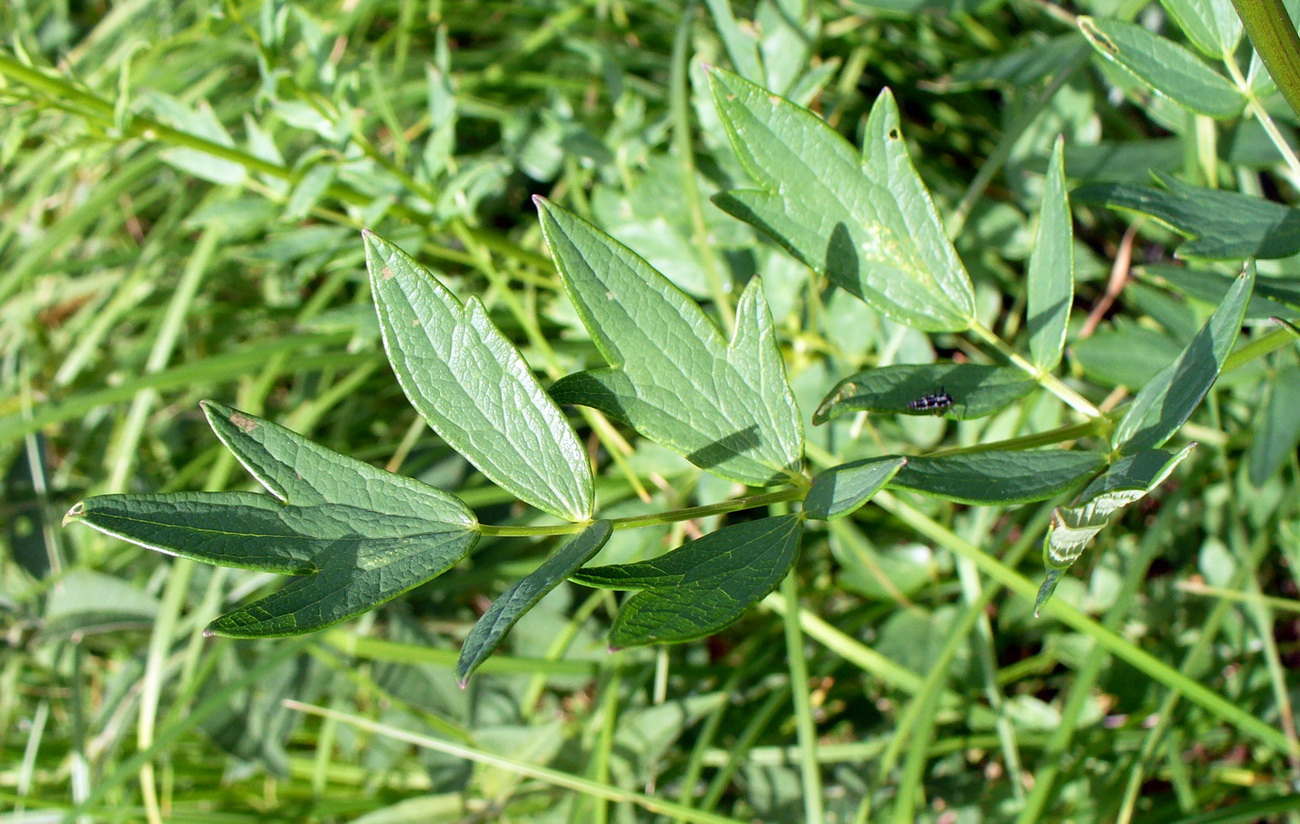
point(931, 402)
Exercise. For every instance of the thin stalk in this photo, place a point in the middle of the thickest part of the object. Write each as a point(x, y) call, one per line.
point(547, 775)
point(805, 726)
point(1269, 27)
point(1047, 380)
point(1261, 114)
point(634, 521)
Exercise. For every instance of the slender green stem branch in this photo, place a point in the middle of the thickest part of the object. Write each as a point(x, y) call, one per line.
point(792, 493)
point(1074, 431)
point(70, 97)
point(1048, 381)
point(1261, 114)
point(1269, 27)
point(805, 726)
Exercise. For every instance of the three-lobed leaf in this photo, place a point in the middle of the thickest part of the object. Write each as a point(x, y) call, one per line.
point(866, 222)
point(491, 629)
point(672, 376)
point(358, 536)
point(474, 388)
point(1168, 400)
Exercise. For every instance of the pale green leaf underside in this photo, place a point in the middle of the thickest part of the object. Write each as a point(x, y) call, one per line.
point(1127, 480)
point(475, 389)
point(1051, 269)
point(1168, 400)
point(726, 407)
point(491, 629)
point(1211, 25)
point(1164, 66)
point(866, 222)
point(301, 472)
point(976, 389)
point(707, 584)
point(998, 477)
point(842, 489)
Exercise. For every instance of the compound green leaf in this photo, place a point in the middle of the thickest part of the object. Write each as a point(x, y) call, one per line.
point(725, 407)
point(842, 489)
point(1165, 404)
point(1164, 66)
point(359, 536)
point(1127, 480)
point(726, 572)
point(491, 629)
point(1221, 225)
point(976, 389)
point(1051, 269)
point(1009, 477)
point(474, 388)
point(866, 222)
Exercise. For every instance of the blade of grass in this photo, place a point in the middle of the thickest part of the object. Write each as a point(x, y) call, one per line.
point(550, 776)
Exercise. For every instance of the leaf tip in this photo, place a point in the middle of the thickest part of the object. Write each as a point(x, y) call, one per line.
point(77, 512)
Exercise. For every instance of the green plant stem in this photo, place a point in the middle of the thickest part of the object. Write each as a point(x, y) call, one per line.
point(1047, 380)
point(805, 727)
point(545, 774)
point(793, 493)
point(1257, 348)
point(1261, 114)
point(1074, 431)
point(1269, 27)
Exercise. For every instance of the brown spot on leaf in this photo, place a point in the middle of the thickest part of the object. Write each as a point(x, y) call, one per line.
point(243, 422)
point(387, 273)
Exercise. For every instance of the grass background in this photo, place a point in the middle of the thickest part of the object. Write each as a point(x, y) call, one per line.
point(183, 186)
